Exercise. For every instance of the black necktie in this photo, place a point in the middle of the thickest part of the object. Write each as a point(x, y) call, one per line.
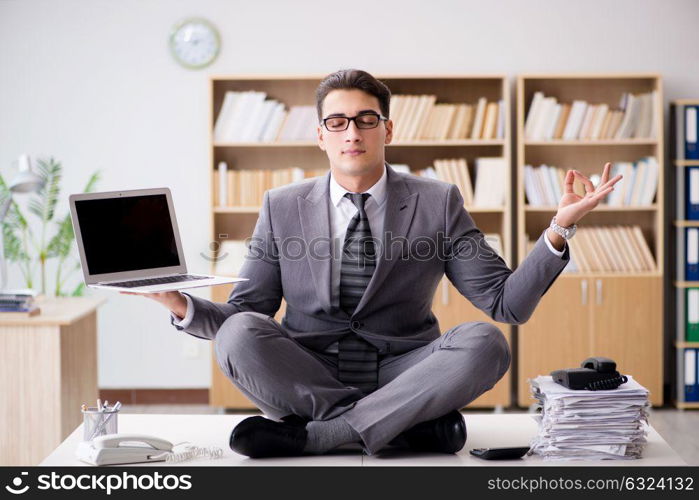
point(358, 361)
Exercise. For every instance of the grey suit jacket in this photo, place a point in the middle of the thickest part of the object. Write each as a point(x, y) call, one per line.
point(427, 233)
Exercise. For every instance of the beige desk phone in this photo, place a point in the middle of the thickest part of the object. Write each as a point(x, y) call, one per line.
point(124, 449)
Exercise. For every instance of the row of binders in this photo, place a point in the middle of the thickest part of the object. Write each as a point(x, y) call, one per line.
point(691, 375)
point(611, 249)
point(420, 117)
point(688, 149)
point(544, 185)
point(489, 190)
point(548, 119)
point(246, 187)
point(248, 116)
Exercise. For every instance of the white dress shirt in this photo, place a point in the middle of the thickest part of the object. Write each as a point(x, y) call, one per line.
point(341, 211)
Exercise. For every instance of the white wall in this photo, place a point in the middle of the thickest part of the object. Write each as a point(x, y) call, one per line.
point(92, 83)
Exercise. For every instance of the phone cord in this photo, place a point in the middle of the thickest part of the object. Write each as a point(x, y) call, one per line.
point(190, 452)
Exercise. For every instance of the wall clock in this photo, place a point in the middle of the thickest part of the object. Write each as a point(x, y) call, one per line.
point(195, 43)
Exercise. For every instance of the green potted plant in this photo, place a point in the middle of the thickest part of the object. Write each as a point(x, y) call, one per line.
point(54, 238)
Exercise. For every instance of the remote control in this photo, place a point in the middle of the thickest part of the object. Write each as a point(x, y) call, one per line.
point(499, 453)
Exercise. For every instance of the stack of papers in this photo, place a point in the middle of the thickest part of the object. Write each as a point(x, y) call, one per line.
point(590, 425)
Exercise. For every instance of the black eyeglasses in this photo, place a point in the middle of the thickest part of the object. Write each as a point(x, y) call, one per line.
point(363, 121)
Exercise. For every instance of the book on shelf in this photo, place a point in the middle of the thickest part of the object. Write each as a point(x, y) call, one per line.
point(488, 189)
point(491, 176)
point(300, 125)
point(638, 185)
point(421, 117)
point(478, 119)
point(687, 138)
point(691, 375)
point(692, 193)
point(544, 185)
point(548, 119)
point(691, 332)
point(246, 187)
point(613, 249)
point(455, 171)
point(691, 266)
point(248, 116)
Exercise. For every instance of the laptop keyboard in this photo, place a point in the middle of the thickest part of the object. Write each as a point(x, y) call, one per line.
point(159, 281)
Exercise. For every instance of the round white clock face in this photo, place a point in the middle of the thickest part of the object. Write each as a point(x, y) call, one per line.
point(195, 43)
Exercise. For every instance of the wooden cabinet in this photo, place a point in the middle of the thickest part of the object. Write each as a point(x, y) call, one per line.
point(49, 369)
point(556, 335)
point(237, 222)
point(583, 316)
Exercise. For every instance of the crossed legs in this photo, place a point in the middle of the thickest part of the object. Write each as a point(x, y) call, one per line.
point(282, 377)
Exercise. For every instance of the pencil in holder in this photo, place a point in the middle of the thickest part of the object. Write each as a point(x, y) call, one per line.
point(98, 423)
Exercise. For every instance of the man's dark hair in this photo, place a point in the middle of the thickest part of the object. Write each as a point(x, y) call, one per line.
point(348, 79)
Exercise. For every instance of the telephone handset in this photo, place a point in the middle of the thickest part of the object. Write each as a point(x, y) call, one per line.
point(594, 374)
point(132, 440)
point(124, 449)
point(137, 448)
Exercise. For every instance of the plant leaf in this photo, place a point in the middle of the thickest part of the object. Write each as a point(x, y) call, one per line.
point(92, 182)
point(62, 242)
point(44, 204)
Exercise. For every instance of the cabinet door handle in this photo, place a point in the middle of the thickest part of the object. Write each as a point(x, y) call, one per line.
point(445, 292)
point(599, 292)
point(583, 289)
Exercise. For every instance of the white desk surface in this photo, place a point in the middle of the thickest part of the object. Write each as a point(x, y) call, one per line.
point(484, 430)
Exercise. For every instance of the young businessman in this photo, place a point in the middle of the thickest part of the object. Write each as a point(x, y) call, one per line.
point(357, 254)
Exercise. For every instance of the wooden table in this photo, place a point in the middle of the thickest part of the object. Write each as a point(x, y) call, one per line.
point(48, 369)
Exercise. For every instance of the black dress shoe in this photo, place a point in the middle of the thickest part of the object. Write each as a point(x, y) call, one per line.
point(259, 437)
point(446, 434)
point(296, 420)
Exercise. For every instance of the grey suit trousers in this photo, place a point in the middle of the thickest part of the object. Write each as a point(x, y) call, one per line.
point(283, 377)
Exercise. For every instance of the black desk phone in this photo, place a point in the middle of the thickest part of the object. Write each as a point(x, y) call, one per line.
point(594, 374)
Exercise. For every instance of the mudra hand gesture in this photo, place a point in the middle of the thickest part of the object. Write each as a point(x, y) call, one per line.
point(574, 207)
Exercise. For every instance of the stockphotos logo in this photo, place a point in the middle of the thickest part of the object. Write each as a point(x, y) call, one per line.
point(16, 488)
point(108, 483)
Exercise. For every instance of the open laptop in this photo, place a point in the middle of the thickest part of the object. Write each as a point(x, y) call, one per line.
point(129, 240)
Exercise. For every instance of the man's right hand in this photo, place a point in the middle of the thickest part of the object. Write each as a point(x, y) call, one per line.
point(174, 301)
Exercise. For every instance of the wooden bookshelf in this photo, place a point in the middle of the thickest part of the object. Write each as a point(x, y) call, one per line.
point(238, 222)
point(680, 225)
point(613, 314)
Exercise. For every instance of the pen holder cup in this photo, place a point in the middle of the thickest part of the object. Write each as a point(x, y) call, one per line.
point(98, 423)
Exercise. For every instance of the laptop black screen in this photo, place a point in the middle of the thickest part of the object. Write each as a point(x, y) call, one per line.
point(127, 233)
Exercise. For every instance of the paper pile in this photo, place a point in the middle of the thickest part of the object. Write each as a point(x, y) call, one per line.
point(590, 425)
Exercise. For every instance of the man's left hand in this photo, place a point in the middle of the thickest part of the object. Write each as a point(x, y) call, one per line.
point(574, 207)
